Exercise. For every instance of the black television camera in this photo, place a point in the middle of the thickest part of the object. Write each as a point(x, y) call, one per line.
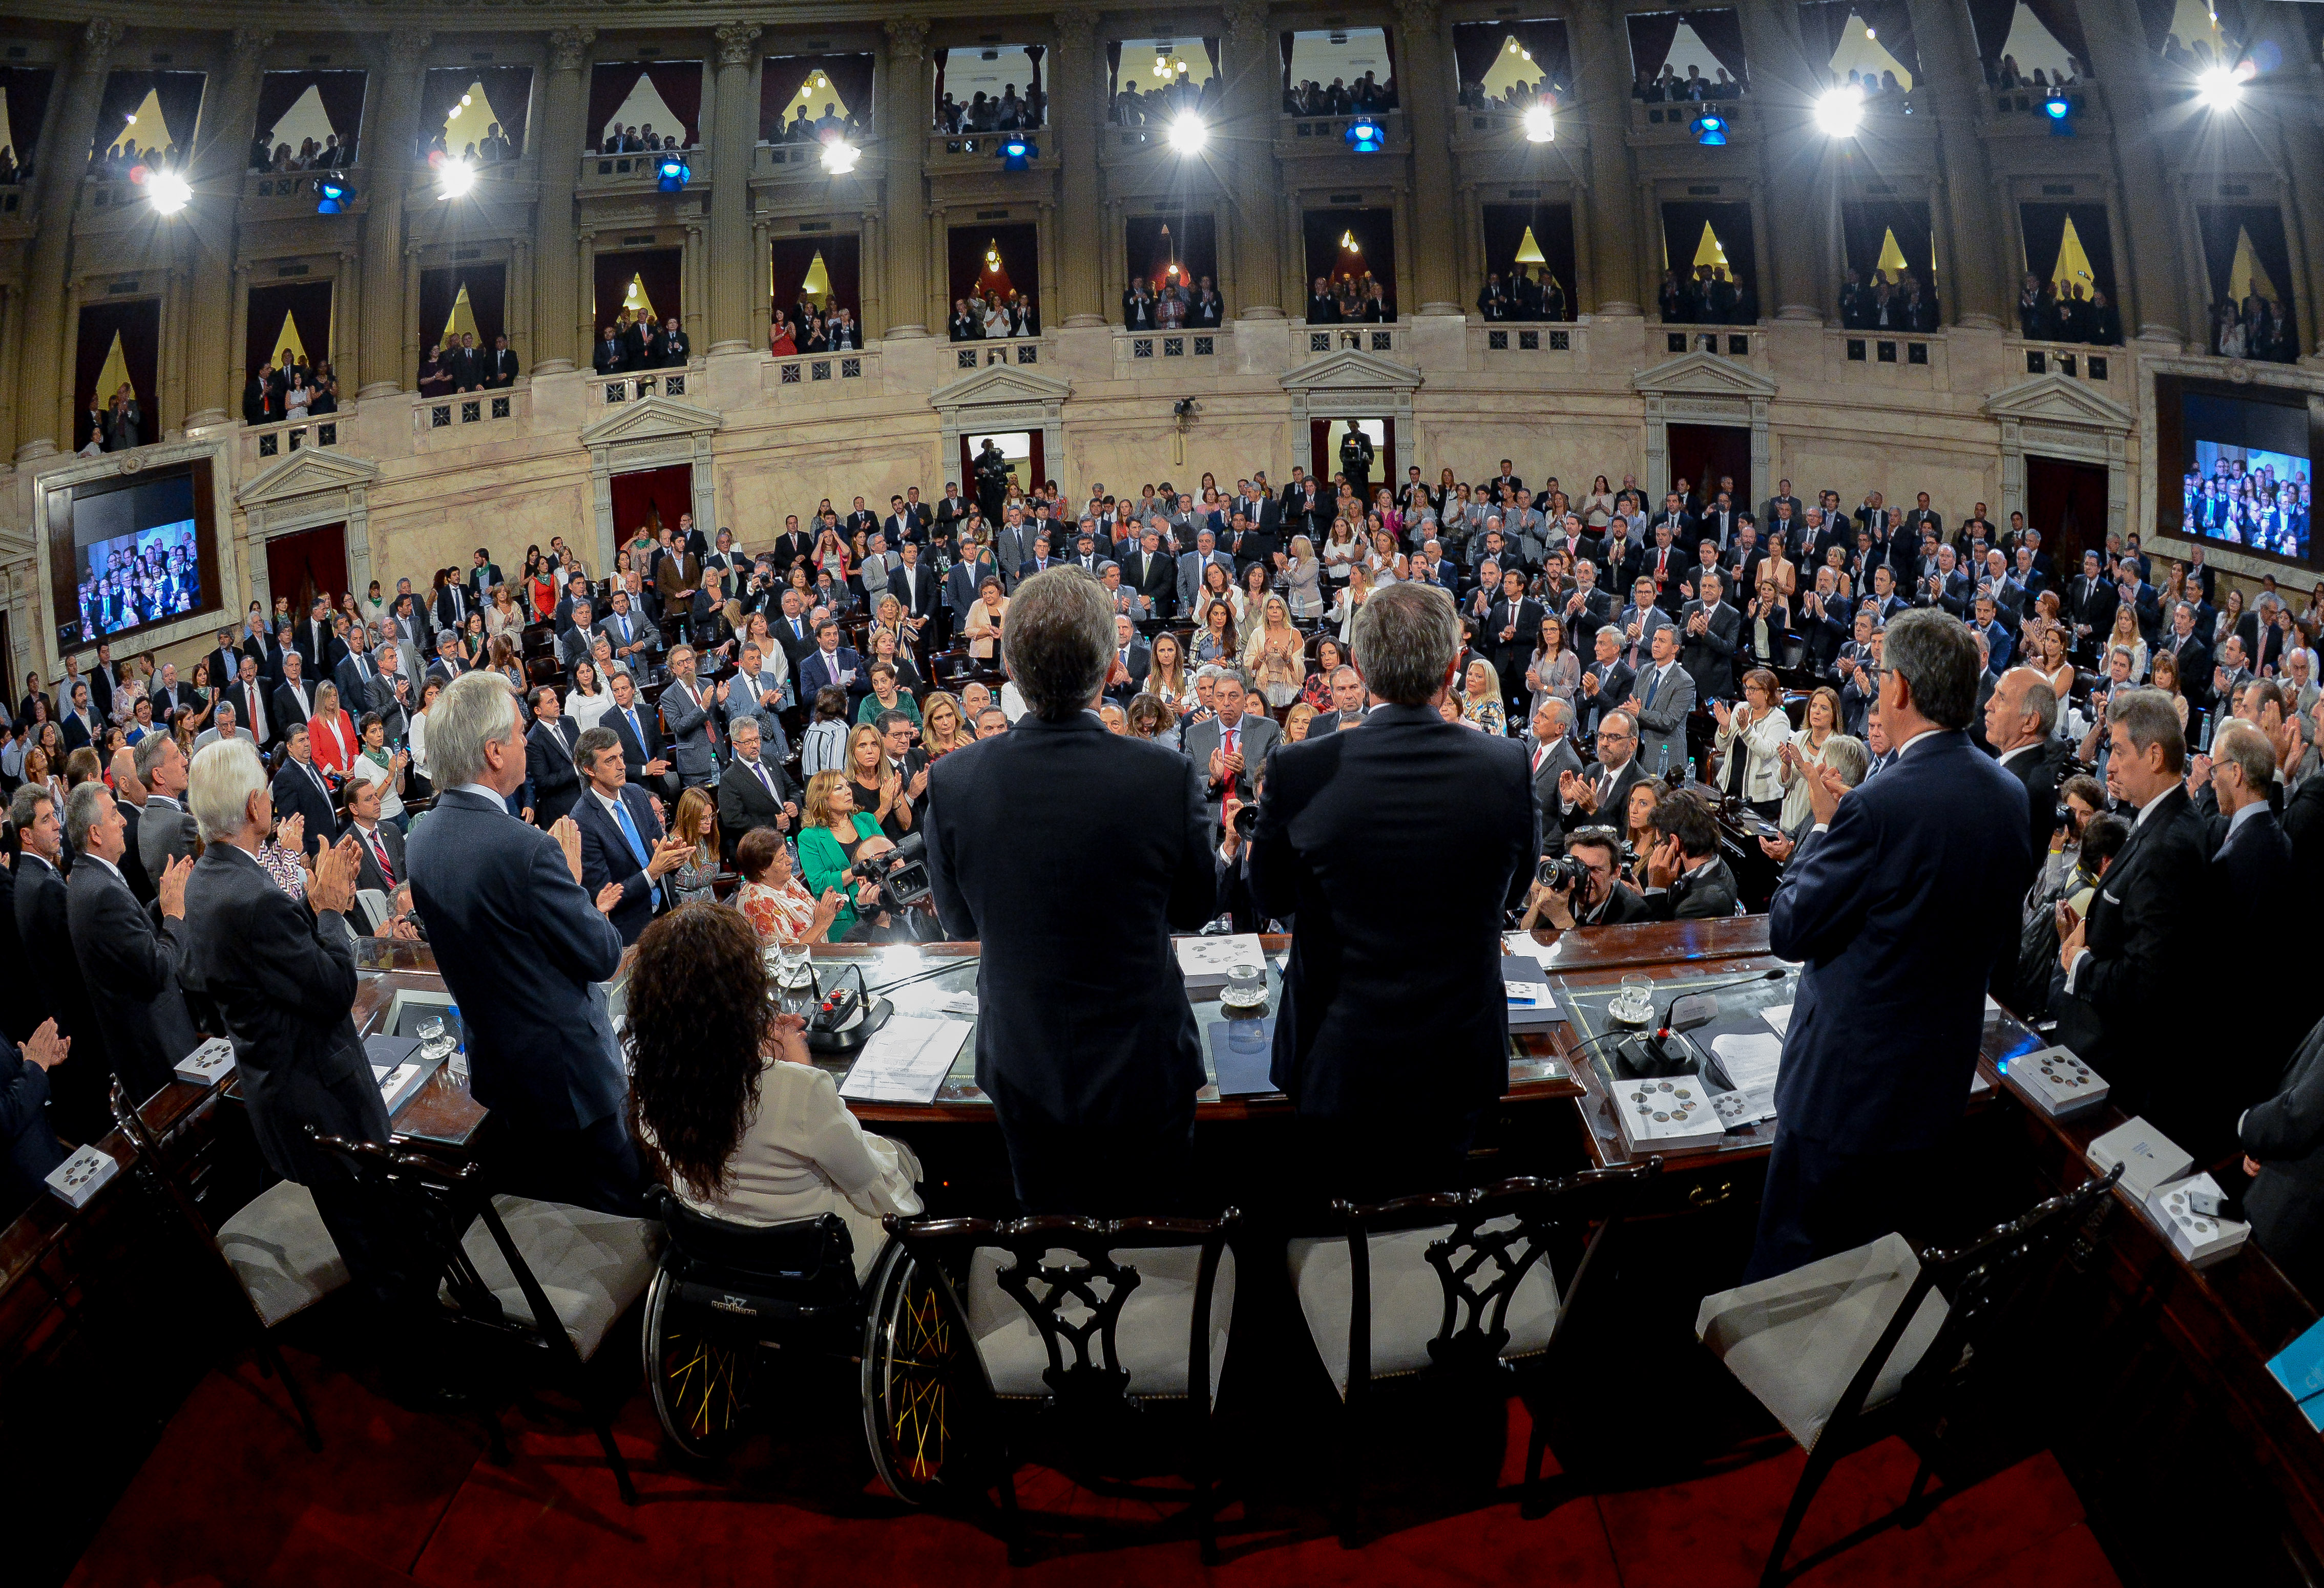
point(900, 887)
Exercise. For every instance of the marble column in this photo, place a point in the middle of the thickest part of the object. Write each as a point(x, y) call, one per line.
point(2124, 67)
point(1967, 209)
point(56, 191)
point(555, 149)
point(1796, 159)
point(1601, 65)
point(1253, 63)
point(736, 309)
point(906, 114)
point(1076, 123)
point(380, 364)
point(215, 375)
point(1420, 72)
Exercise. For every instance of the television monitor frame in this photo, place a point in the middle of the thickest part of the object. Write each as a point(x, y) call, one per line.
point(2175, 454)
point(64, 556)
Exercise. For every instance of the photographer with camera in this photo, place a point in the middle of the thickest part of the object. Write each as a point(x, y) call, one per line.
point(1581, 887)
point(1686, 878)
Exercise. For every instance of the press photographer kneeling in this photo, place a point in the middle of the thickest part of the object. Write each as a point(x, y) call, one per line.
point(1581, 887)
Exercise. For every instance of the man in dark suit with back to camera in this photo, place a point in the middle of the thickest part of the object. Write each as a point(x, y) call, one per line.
point(2250, 884)
point(1093, 1074)
point(1346, 825)
point(1900, 900)
point(521, 945)
point(130, 968)
point(2021, 722)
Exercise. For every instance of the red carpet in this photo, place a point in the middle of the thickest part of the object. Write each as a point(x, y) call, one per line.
point(231, 1496)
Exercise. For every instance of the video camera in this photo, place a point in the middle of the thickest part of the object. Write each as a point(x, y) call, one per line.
point(900, 887)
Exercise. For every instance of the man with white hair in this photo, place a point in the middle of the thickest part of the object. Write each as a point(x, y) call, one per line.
point(521, 946)
point(131, 971)
point(282, 976)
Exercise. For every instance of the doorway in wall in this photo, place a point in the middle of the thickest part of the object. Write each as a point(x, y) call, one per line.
point(649, 500)
point(1323, 448)
point(1701, 453)
point(1023, 450)
point(311, 562)
point(2067, 503)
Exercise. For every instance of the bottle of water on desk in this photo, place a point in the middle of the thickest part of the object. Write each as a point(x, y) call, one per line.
point(457, 1065)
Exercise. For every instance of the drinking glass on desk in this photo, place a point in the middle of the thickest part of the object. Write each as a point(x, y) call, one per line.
point(1634, 1004)
point(435, 1040)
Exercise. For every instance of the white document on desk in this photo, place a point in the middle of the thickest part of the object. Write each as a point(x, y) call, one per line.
point(927, 999)
point(1779, 1015)
point(906, 1060)
point(1750, 1061)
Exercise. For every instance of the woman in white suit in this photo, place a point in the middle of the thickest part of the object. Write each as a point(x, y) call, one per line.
point(1750, 743)
point(723, 1091)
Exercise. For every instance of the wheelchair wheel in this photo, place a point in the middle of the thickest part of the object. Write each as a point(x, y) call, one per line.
point(923, 1384)
point(700, 1377)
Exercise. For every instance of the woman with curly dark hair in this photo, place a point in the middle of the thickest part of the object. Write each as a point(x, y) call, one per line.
point(723, 1092)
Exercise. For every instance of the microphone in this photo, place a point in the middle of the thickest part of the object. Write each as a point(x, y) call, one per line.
point(1695, 1008)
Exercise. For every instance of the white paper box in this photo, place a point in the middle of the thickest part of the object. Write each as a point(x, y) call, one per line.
point(2056, 1082)
point(81, 1175)
point(211, 1062)
point(2200, 1237)
point(2148, 1158)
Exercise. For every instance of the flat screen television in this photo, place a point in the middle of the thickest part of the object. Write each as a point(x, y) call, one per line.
point(2235, 466)
point(131, 554)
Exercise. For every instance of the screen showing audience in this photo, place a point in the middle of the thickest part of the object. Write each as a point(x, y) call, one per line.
point(2248, 480)
point(136, 558)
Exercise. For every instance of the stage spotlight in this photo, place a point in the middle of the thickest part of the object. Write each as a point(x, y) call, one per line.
point(1016, 150)
point(2222, 86)
point(839, 157)
point(331, 196)
point(1365, 137)
point(1840, 111)
point(1540, 124)
point(168, 192)
point(1188, 135)
point(670, 175)
point(454, 179)
point(1709, 129)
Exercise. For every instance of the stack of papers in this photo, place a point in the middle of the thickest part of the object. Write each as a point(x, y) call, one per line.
point(1778, 1016)
point(2056, 1082)
point(2149, 1158)
point(1531, 1004)
point(2200, 1237)
point(927, 998)
point(81, 1175)
point(1666, 1115)
point(906, 1060)
point(393, 1065)
point(1205, 960)
point(209, 1064)
point(1748, 1060)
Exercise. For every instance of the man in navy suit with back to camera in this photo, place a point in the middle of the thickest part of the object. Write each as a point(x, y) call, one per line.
point(521, 945)
point(1091, 1069)
point(1899, 900)
point(1346, 824)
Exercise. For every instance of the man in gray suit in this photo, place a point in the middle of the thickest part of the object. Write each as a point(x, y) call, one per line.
point(1550, 750)
point(521, 945)
point(223, 726)
point(1661, 699)
point(131, 971)
point(165, 829)
point(1230, 748)
point(1349, 703)
point(393, 692)
point(757, 693)
point(686, 720)
point(1190, 570)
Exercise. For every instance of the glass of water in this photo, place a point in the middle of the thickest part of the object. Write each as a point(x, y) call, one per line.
point(435, 1039)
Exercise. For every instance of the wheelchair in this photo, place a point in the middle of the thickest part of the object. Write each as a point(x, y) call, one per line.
point(724, 1296)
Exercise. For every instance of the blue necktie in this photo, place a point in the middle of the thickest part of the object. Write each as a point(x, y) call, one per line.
point(625, 628)
point(632, 713)
point(1653, 684)
point(637, 845)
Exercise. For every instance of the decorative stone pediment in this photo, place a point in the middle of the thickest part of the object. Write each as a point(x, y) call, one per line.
point(1003, 384)
point(304, 474)
point(1702, 374)
point(650, 418)
point(1351, 370)
point(2054, 399)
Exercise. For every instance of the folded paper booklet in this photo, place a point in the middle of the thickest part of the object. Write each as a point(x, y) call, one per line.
point(1242, 1056)
point(1667, 1114)
point(209, 1064)
point(1206, 961)
point(2055, 1081)
point(2199, 1236)
point(2148, 1158)
point(81, 1175)
point(2299, 1367)
point(906, 1060)
point(1532, 1005)
point(1750, 1062)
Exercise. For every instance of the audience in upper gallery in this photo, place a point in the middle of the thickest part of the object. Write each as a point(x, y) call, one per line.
point(1005, 112)
point(635, 139)
point(1693, 87)
point(2062, 311)
point(1161, 105)
point(2138, 654)
point(331, 154)
point(1367, 95)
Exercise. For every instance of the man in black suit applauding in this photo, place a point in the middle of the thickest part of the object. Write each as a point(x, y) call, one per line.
point(521, 945)
point(130, 969)
point(1092, 1076)
point(1900, 900)
point(548, 758)
point(1425, 801)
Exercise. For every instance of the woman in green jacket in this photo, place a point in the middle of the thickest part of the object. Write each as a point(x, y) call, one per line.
point(832, 836)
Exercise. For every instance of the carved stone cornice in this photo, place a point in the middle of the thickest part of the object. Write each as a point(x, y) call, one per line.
point(567, 45)
point(734, 41)
point(97, 40)
point(405, 46)
point(250, 47)
point(1419, 16)
point(907, 37)
point(1247, 19)
point(1076, 30)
